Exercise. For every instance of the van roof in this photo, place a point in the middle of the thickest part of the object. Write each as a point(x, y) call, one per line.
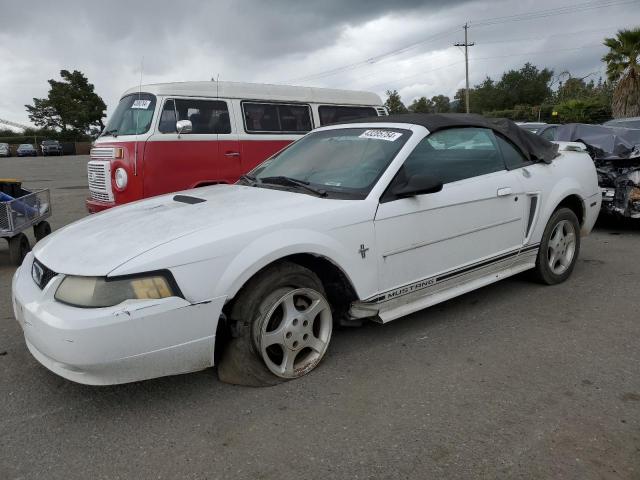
point(260, 91)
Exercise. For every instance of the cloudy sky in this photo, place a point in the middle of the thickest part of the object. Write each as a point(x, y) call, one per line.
point(355, 44)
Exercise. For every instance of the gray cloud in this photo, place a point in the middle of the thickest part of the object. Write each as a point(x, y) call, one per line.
point(280, 40)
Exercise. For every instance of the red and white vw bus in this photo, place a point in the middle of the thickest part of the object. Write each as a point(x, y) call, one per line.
point(168, 137)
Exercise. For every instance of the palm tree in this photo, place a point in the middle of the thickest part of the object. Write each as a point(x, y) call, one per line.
point(623, 68)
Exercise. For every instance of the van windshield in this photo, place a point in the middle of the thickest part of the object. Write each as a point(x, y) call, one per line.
point(132, 116)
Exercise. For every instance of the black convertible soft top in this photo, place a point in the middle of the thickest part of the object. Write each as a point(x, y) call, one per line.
point(534, 147)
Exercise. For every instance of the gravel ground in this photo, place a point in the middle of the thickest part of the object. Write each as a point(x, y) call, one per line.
point(515, 380)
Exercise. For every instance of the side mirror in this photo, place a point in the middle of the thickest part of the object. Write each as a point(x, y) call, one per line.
point(417, 185)
point(184, 126)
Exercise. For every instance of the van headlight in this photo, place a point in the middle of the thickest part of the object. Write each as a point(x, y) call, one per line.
point(121, 178)
point(95, 292)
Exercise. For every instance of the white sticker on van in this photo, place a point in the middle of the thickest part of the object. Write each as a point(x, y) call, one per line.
point(387, 135)
point(142, 104)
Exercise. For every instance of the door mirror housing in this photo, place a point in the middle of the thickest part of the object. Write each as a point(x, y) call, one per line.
point(417, 185)
point(184, 126)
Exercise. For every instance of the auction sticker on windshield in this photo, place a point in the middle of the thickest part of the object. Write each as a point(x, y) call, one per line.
point(142, 104)
point(387, 135)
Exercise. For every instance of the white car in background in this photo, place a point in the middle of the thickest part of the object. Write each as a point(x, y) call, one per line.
point(367, 220)
point(5, 151)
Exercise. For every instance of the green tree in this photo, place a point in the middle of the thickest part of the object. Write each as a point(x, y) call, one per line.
point(394, 103)
point(72, 106)
point(623, 68)
point(422, 105)
point(441, 104)
point(527, 86)
point(585, 110)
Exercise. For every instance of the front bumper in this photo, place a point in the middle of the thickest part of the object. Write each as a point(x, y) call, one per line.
point(132, 341)
point(95, 206)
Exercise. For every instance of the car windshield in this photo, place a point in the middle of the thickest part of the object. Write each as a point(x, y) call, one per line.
point(132, 116)
point(49, 142)
point(25, 145)
point(344, 163)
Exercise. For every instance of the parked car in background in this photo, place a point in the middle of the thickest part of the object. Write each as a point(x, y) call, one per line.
point(51, 147)
point(5, 150)
point(532, 127)
point(372, 219)
point(26, 150)
point(174, 136)
point(631, 122)
point(615, 151)
point(545, 130)
point(548, 131)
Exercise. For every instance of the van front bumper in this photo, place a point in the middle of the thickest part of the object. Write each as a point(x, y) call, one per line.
point(95, 206)
point(133, 341)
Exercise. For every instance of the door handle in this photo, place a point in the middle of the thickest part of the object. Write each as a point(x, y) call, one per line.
point(504, 191)
point(232, 154)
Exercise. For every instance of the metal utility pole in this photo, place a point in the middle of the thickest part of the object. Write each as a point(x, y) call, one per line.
point(466, 46)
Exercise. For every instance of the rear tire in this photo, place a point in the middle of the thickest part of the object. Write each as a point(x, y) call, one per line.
point(18, 248)
point(41, 230)
point(559, 248)
point(284, 325)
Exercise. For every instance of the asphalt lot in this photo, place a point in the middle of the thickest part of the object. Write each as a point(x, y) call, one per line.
point(515, 380)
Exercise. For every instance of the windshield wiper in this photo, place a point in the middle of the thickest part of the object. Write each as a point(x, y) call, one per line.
point(249, 179)
point(113, 132)
point(294, 182)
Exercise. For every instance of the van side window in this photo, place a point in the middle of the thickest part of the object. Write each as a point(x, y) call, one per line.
point(206, 116)
point(334, 114)
point(168, 118)
point(261, 117)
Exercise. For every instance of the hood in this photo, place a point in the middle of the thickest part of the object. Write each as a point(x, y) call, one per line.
point(99, 243)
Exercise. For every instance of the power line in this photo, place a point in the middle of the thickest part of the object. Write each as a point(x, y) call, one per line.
point(481, 43)
point(573, 8)
point(371, 60)
point(473, 60)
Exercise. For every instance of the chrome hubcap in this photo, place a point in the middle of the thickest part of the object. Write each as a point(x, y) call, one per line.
point(562, 247)
point(295, 333)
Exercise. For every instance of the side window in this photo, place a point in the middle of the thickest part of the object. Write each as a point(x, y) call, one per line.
point(168, 118)
point(206, 116)
point(262, 117)
point(455, 154)
point(512, 156)
point(333, 114)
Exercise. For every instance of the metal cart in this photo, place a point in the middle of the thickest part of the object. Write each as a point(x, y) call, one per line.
point(26, 209)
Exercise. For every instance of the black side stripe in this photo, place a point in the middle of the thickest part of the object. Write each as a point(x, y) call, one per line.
point(428, 282)
point(499, 258)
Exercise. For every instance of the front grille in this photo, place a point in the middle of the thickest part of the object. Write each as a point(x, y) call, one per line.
point(99, 176)
point(102, 152)
point(41, 274)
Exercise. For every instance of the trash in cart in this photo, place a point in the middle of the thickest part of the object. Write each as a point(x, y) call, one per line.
point(21, 209)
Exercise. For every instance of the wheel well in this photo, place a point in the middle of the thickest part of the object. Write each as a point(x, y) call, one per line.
point(340, 291)
point(573, 203)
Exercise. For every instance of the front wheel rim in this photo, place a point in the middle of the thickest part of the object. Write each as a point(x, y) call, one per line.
point(561, 247)
point(295, 333)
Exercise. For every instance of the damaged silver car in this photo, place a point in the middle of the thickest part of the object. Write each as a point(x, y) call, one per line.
point(616, 154)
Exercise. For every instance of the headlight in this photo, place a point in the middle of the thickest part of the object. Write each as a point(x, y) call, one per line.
point(121, 178)
point(97, 292)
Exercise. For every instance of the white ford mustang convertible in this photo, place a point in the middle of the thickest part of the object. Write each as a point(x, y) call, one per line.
point(367, 220)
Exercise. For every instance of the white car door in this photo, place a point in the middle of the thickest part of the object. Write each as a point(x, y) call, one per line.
point(476, 219)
